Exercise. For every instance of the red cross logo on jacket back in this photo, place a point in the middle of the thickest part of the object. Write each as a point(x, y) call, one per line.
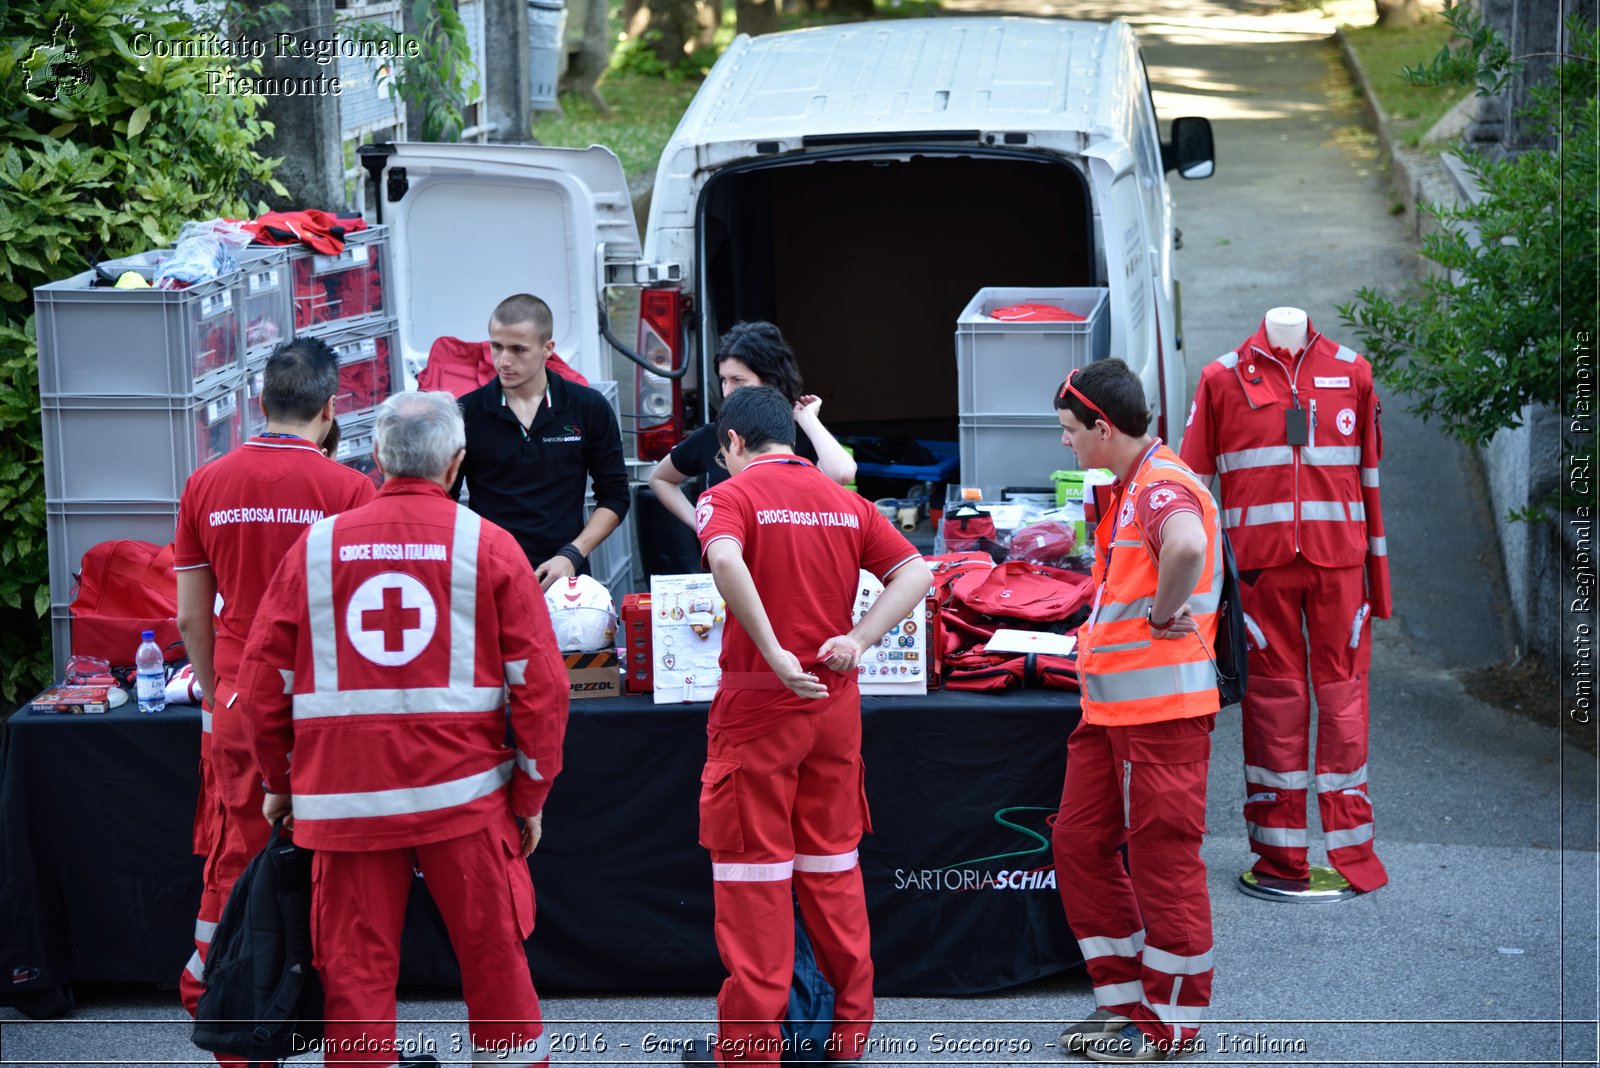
point(391, 618)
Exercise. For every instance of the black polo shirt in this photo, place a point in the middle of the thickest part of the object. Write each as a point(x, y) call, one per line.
point(697, 453)
point(531, 482)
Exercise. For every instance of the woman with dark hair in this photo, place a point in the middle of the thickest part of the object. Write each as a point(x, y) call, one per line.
point(750, 354)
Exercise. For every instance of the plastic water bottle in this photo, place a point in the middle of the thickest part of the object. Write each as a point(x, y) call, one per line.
point(151, 686)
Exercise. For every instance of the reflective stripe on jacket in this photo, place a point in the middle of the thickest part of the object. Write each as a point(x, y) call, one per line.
point(1319, 499)
point(1128, 677)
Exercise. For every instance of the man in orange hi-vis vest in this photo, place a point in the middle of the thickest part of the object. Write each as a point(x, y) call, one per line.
point(1137, 762)
point(1288, 423)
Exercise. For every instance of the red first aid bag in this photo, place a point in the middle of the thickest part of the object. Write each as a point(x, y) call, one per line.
point(1019, 590)
point(968, 528)
point(125, 587)
point(981, 671)
point(459, 367)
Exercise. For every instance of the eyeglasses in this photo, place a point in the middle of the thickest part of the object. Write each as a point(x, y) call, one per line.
point(722, 459)
point(1068, 387)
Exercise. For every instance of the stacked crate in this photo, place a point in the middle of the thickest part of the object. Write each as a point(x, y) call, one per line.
point(1006, 373)
point(137, 388)
point(346, 299)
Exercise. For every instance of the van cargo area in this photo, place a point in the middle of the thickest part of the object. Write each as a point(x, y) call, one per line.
point(866, 263)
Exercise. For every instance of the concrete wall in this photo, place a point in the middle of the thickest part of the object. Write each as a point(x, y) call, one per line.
point(1523, 466)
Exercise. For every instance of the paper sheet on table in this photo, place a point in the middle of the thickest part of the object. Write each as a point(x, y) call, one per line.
point(1006, 640)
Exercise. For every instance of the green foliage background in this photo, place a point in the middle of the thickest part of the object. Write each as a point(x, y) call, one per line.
point(1491, 331)
point(109, 170)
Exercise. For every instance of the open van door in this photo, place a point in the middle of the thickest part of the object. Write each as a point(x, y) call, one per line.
point(474, 224)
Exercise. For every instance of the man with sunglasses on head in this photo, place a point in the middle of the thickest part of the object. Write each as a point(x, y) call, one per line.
point(1137, 762)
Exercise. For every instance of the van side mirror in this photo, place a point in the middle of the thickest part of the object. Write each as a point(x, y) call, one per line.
point(1191, 152)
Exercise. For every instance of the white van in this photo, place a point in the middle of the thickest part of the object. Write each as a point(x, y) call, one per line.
point(855, 184)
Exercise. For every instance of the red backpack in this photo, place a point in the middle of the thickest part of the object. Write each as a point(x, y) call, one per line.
point(1020, 590)
point(459, 367)
point(125, 587)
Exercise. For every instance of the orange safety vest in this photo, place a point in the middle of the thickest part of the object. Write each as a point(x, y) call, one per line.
point(1128, 677)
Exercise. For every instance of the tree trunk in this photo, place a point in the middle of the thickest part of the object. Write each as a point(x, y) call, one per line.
point(669, 26)
point(588, 52)
point(1398, 12)
point(708, 13)
point(757, 16)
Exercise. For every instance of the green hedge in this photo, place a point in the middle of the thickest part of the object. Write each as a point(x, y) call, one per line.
point(108, 149)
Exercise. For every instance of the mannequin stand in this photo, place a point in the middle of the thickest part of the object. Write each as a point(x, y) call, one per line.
point(1325, 887)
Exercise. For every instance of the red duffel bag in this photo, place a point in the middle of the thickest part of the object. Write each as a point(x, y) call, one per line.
point(1020, 590)
point(125, 587)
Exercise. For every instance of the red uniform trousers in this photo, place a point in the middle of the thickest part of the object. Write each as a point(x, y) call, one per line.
point(238, 832)
point(358, 906)
point(1277, 719)
point(1145, 930)
point(782, 815)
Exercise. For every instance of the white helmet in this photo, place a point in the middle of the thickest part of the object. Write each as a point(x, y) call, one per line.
point(582, 614)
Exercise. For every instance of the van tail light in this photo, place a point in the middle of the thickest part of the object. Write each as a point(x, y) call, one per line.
point(660, 342)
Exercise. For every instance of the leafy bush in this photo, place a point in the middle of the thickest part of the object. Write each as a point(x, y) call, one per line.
point(108, 149)
point(1490, 333)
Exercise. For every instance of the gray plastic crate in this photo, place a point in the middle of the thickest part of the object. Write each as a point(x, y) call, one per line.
point(355, 447)
point(329, 291)
point(1013, 368)
point(369, 365)
point(265, 315)
point(135, 448)
point(104, 342)
point(251, 419)
point(75, 528)
point(1011, 450)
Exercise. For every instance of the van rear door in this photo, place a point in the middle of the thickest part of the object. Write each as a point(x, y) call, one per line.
point(474, 224)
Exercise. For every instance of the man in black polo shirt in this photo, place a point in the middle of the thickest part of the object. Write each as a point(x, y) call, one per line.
point(532, 439)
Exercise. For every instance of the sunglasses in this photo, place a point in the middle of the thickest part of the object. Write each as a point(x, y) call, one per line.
point(722, 459)
point(1068, 387)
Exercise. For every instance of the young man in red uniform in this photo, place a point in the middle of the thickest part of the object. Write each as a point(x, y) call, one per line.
point(238, 516)
point(1291, 431)
point(782, 801)
point(1137, 761)
point(383, 658)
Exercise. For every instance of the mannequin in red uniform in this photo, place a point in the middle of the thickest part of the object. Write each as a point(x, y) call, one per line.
point(782, 802)
point(1289, 425)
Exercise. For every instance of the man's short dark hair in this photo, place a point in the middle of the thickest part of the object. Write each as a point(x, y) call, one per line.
point(526, 308)
point(1115, 388)
point(760, 415)
point(302, 373)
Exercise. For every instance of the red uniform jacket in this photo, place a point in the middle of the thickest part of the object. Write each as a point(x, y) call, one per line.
point(1319, 498)
point(384, 657)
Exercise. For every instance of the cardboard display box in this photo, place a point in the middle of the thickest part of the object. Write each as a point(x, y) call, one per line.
point(593, 674)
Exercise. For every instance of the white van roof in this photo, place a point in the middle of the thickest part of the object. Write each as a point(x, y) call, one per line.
point(1048, 76)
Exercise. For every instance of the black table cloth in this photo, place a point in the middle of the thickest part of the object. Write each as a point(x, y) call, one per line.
point(97, 882)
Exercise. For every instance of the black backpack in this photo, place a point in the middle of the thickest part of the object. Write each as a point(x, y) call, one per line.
point(1230, 660)
point(808, 1025)
point(262, 999)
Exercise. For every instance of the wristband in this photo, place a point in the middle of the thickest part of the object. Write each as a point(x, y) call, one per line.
point(573, 555)
point(1150, 619)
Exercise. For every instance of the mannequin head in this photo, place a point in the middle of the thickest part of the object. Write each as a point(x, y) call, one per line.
point(1286, 329)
